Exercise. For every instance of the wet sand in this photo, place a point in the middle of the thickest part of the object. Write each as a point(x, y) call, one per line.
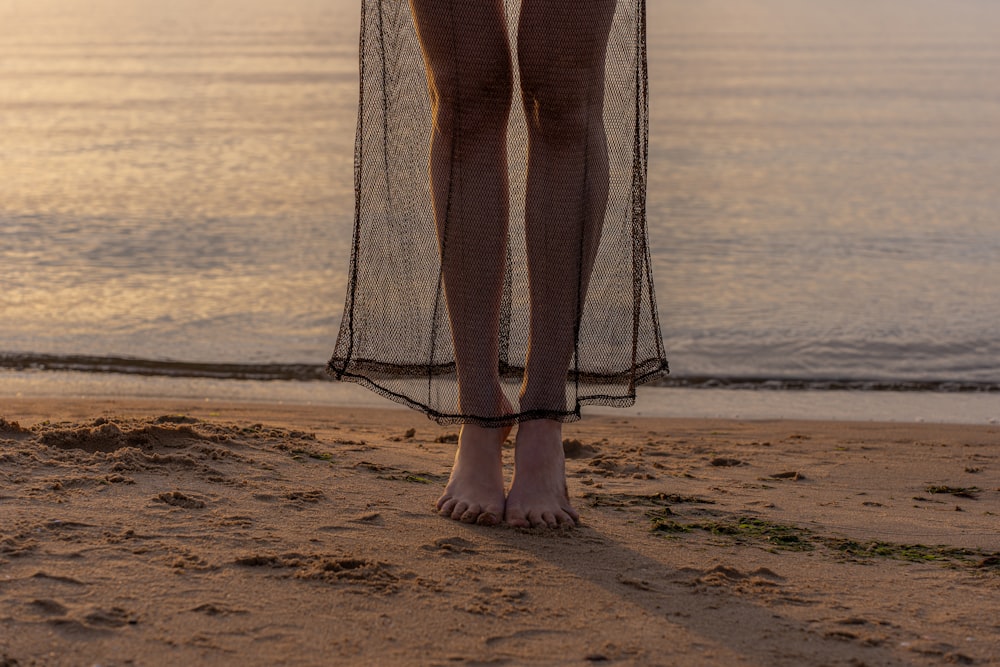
point(186, 532)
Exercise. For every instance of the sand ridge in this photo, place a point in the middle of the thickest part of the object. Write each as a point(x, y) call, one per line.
point(155, 533)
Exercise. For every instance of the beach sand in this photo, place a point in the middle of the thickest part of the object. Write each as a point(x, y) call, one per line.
point(167, 533)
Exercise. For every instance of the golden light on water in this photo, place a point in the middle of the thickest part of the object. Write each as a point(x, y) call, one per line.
point(147, 110)
point(176, 179)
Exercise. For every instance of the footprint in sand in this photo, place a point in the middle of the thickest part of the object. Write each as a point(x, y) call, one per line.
point(17, 546)
point(618, 466)
point(179, 499)
point(722, 575)
point(638, 584)
point(725, 462)
point(792, 475)
point(497, 602)
point(48, 607)
point(451, 546)
point(523, 639)
point(299, 498)
point(87, 620)
point(309, 496)
point(114, 617)
point(58, 578)
point(378, 576)
point(217, 609)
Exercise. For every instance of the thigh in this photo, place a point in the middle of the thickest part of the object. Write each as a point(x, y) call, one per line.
point(465, 46)
point(561, 44)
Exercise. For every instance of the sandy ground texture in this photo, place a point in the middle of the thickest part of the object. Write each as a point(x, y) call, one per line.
point(145, 533)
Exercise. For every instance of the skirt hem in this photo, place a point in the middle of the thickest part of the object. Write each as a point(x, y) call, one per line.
point(647, 371)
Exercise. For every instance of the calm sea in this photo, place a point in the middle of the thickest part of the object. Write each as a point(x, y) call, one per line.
point(176, 187)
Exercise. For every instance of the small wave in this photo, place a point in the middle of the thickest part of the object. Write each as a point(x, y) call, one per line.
point(825, 384)
point(317, 372)
point(162, 368)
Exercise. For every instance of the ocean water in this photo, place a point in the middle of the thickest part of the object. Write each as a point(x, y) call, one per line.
point(176, 191)
point(824, 198)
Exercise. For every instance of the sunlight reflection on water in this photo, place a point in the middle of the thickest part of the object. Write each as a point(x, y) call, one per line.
point(176, 182)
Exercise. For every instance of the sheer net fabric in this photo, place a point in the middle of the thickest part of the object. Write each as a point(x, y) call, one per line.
point(500, 268)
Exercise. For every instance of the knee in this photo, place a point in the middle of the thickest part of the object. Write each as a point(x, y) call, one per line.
point(560, 112)
point(475, 103)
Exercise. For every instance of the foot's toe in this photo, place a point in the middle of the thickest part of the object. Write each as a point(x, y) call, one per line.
point(549, 519)
point(516, 518)
point(459, 510)
point(489, 518)
point(446, 505)
point(471, 514)
point(536, 520)
point(564, 518)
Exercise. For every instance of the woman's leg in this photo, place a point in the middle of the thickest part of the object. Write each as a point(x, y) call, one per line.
point(561, 51)
point(469, 75)
point(467, 56)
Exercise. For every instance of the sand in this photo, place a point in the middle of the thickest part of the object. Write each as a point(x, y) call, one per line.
point(169, 533)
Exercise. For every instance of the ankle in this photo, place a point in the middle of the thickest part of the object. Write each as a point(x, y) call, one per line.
point(541, 429)
point(481, 439)
point(538, 446)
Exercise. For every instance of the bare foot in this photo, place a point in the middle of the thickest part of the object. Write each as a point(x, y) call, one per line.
point(538, 496)
point(475, 490)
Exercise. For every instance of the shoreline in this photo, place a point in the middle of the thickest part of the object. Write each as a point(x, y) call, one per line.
point(652, 401)
point(166, 531)
point(312, 372)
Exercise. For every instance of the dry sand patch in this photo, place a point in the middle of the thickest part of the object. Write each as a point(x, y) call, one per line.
point(142, 534)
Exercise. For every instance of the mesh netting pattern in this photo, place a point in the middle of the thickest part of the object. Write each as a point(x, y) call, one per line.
point(500, 268)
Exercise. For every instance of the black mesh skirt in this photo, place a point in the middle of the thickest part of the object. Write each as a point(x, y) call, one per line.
point(582, 320)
